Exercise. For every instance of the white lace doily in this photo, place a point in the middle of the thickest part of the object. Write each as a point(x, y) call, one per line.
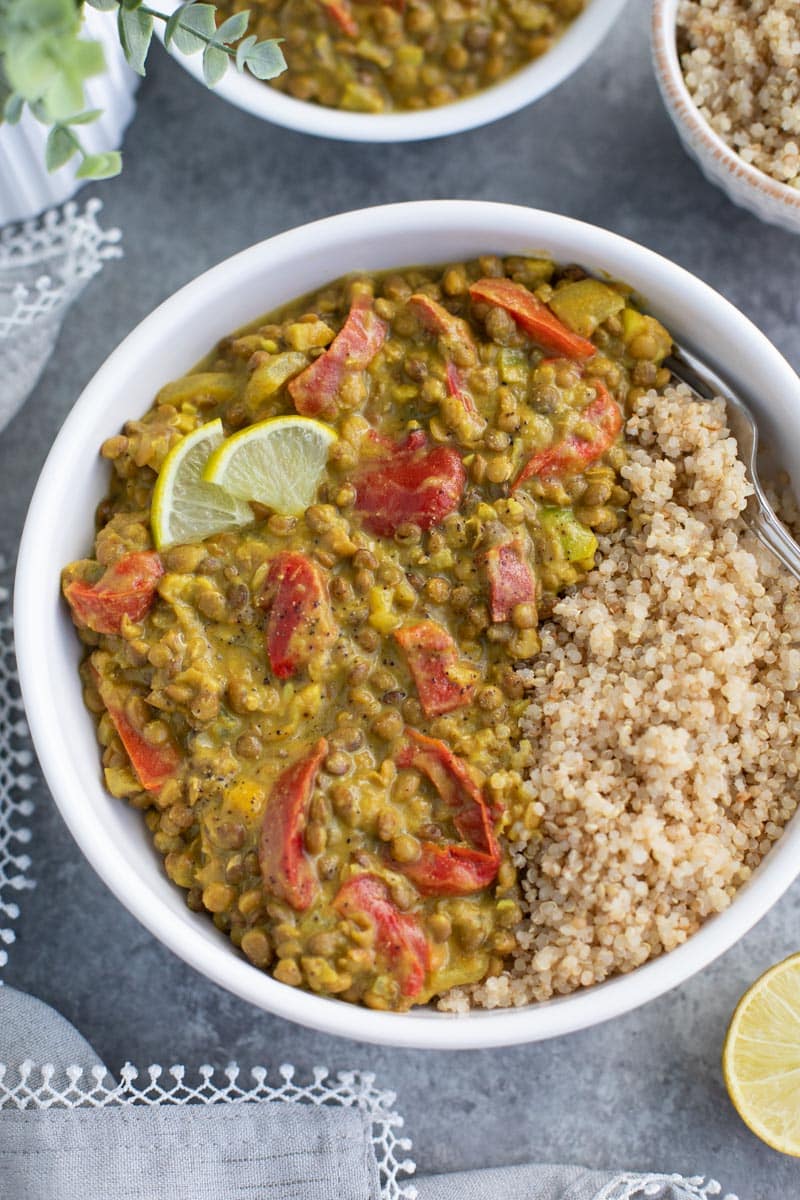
point(44, 265)
point(16, 805)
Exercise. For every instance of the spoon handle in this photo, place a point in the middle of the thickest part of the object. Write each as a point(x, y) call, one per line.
point(771, 533)
point(759, 516)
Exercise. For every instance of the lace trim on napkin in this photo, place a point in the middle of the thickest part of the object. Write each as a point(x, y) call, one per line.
point(31, 1086)
point(662, 1187)
point(15, 782)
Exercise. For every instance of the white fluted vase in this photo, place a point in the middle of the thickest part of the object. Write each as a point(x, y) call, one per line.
point(27, 188)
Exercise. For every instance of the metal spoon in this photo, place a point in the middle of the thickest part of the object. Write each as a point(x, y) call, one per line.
point(759, 515)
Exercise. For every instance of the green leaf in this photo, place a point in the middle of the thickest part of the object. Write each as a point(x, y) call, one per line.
point(265, 60)
point(172, 24)
point(83, 118)
point(60, 147)
point(234, 28)
point(135, 34)
point(29, 66)
point(215, 64)
point(12, 110)
point(243, 49)
point(196, 28)
point(36, 17)
point(6, 91)
point(103, 5)
point(75, 63)
point(100, 166)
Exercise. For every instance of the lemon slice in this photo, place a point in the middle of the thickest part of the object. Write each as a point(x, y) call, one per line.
point(761, 1058)
point(184, 508)
point(278, 463)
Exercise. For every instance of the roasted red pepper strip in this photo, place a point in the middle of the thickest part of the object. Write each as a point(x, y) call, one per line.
point(451, 870)
point(511, 579)
point(453, 332)
point(454, 782)
point(300, 620)
point(398, 936)
point(534, 317)
point(341, 13)
point(285, 869)
point(153, 763)
point(126, 589)
point(315, 390)
point(575, 452)
point(415, 483)
point(444, 682)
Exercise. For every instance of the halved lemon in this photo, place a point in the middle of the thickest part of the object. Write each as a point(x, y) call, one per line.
point(185, 508)
point(278, 463)
point(761, 1058)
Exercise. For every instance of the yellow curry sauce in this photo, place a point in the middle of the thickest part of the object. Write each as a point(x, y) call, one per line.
point(320, 714)
point(405, 54)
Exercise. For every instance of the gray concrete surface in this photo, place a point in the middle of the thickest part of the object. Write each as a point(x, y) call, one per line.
point(201, 181)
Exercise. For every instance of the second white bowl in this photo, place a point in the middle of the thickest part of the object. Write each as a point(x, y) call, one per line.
point(529, 84)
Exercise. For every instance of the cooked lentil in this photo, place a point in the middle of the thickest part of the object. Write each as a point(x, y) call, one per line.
point(741, 63)
point(320, 714)
point(412, 55)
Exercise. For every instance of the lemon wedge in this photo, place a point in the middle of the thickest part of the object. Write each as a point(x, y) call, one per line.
point(278, 463)
point(761, 1058)
point(184, 508)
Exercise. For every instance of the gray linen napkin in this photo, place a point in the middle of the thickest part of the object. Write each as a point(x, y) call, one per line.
point(234, 1151)
point(215, 1152)
point(30, 1029)
point(553, 1181)
point(531, 1181)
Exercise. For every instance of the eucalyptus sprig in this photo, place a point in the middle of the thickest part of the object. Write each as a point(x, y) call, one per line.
point(45, 62)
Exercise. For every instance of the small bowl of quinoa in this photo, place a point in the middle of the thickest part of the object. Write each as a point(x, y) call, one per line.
point(729, 75)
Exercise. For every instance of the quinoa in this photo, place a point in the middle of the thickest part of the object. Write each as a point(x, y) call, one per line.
point(741, 63)
point(663, 730)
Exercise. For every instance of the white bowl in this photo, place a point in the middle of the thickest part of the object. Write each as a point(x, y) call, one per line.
point(60, 526)
point(525, 86)
point(765, 197)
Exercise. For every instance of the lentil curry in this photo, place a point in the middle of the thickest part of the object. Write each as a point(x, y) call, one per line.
point(320, 714)
point(405, 54)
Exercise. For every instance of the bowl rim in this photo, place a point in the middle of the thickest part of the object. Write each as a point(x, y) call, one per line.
point(525, 86)
point(705, 139)
point(38, 616)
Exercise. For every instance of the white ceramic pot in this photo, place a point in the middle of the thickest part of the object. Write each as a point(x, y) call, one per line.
point(27, 188)
point(60, 527)
point(581, 39)
point(765, 197)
